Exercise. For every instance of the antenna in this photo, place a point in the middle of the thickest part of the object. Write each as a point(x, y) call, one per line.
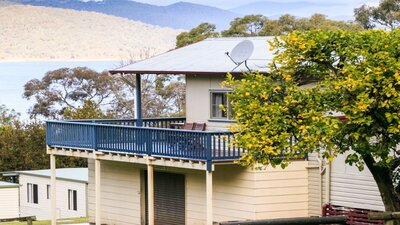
point(241, 52)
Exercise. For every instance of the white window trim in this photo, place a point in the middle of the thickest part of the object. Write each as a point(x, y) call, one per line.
point(72, 194)
point(31, 194)
point(228, 117)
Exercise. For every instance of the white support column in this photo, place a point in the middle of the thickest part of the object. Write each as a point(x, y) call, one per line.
point(150, 191)
point(97, 169)
point(53, 189)
point(209, 190)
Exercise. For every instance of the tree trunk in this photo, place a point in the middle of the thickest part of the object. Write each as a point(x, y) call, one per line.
point(383, 179)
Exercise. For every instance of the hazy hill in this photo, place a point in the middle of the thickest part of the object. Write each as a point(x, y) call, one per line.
point(42, 33)
point(179, 15)
point(274, 9)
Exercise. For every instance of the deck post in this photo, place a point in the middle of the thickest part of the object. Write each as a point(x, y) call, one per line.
point(97, 169)
point(150, 190)
point(209, 190)
point(53, 189)
point(138, 102)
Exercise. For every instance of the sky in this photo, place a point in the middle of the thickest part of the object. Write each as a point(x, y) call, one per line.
point(228, 4)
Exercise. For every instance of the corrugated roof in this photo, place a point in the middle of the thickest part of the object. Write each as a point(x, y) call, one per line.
point(8, 185)
point(72, 174)
point(204, 57)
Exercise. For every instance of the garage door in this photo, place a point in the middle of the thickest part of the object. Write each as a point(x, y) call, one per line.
point(169, 199)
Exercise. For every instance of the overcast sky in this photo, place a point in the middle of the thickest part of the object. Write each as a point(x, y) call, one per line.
point(228, 4)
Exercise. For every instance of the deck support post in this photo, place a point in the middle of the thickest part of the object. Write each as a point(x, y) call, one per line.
point(53, 189)
point(150, 190)
point(97, 169)
point(138, 103)
point(209, 190)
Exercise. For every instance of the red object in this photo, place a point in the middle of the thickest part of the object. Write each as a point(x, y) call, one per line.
point(355, 216)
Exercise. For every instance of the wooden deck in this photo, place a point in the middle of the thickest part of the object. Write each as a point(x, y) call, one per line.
point(124, 137)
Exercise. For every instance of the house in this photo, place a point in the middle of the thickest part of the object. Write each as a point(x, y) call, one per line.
point(9, 204)
point(141, 171)
point(35, 193)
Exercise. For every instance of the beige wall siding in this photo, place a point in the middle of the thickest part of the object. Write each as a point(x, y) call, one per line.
point(282, 193)
point(42, 210)
point(352, 188)
point(234, 191)
point(120, 193)
point(198, 99)
point(315, 183)
point(9, 204)
point(238, 193)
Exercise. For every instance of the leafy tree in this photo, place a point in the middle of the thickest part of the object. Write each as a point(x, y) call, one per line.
point(199, 33)
point(7, 116)
point(249, 25)
point(23, 146)
point(89, 110)
point(288, 23)
point(356, 74)
point(69, 88)
point(259, 25)
point(387, 14)
point(163, 96)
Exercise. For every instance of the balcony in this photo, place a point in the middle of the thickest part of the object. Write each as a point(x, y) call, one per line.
point(154, 138)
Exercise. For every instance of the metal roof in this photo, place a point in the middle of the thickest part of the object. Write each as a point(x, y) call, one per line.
point(71, 174)
point(8, 185)
point(204, 57)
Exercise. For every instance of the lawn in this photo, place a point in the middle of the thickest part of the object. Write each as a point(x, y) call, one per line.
point(48, 222)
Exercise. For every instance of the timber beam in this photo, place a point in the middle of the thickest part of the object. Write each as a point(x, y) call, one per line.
point(129, 158)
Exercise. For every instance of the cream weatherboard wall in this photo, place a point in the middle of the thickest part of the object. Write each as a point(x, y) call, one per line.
point(317, 171)
point(120, 193)
point(9, 204)
point(352, 188)
point(42, 210)
point(238, 193)
point(198, 99)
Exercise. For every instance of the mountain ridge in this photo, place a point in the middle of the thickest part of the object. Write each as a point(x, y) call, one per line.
point(44, 33)
point(182, 15)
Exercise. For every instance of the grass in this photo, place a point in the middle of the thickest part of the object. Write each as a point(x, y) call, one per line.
point(48, 222)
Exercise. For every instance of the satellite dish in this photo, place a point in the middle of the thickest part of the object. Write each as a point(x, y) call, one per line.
point(241, 52)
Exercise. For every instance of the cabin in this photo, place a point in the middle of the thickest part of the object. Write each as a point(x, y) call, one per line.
point(9, 204)
point(183, 170)
point(35, 193)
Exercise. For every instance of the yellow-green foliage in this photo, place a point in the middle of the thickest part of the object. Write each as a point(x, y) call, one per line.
point(354, 73)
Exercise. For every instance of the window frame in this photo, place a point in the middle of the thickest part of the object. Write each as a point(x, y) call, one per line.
point(48, 188)
point(72, 200)
point(32, 193)
point(229, 111)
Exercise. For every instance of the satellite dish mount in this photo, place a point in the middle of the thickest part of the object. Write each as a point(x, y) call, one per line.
point(241, 53)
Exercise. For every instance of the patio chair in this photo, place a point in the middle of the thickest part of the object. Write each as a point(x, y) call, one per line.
point(200, 126)
point(188, 126)
point(189, 143)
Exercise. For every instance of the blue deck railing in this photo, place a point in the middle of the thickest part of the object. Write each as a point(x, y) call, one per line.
point(154, 138)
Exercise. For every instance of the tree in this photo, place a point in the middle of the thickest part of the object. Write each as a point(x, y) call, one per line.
point(7, 116)
point(259, 25)
point(357, 74)
point(386, 14)
point(199, 33)
point(288, 23)
point(89, 110)
point(69, 88)
point(249, 25)
point(23, 145)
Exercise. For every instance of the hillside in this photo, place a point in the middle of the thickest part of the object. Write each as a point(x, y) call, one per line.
point(179, 15)
point(42, 33)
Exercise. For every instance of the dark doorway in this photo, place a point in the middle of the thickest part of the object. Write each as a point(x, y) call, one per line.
point(169, 198)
